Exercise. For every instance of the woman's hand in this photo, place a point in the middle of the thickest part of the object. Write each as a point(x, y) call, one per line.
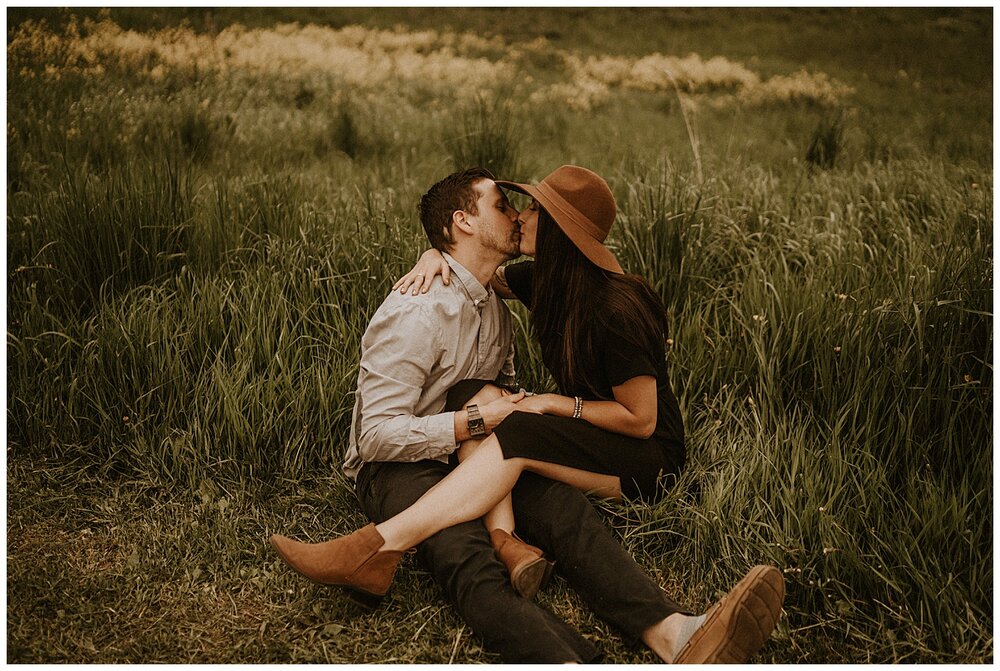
point(632, 413)
point(536, 403)
point(431, 263)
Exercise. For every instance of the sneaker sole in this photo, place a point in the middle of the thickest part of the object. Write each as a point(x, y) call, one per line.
point(754, 605)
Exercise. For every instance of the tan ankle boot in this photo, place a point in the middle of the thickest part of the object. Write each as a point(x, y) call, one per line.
point(528, 568)
point(353, 562)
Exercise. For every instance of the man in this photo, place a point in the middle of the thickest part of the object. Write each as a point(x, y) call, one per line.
point(404, 432)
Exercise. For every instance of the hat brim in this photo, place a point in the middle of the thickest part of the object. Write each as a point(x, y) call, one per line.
point(592, 248)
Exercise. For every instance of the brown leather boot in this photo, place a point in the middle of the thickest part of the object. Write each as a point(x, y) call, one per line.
point(353, 562)
point(528, 568)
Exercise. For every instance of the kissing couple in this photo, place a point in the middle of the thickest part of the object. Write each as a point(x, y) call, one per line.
point(490, 482)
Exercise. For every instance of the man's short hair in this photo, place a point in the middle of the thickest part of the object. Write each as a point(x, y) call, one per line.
point(454, 192)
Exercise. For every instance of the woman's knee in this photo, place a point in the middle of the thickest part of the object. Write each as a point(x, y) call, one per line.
point(469, 447)
point(489, 393)
point(489, 452)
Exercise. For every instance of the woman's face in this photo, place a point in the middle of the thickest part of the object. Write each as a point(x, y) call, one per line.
point(528, 221)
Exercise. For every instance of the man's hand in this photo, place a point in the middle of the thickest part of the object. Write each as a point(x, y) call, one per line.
point(496, 411)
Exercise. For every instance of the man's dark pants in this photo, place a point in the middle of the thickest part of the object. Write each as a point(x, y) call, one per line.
point(551, 515)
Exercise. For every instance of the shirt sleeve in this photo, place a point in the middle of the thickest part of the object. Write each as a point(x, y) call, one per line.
point(400, 349)
point(519, 279)
point(508, 375)
point(624, 360)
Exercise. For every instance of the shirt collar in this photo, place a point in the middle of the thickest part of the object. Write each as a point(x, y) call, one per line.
point(476, 291)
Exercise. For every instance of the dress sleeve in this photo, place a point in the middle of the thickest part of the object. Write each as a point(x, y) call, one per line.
point(624, 360)
point(519, 279)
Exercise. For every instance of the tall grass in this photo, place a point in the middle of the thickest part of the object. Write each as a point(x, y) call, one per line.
point(186, 300)
point(488, 136)
point(239, 364)
point(825, 143)
point(840, 368)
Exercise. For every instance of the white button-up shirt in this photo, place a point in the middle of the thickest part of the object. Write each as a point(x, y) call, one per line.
point(415, 349)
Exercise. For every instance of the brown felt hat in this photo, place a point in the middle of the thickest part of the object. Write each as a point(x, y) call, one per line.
point(582, 205)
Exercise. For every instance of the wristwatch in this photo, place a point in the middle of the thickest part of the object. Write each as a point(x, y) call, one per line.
point(477, 427)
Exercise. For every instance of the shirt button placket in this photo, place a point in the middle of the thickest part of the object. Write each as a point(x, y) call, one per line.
point(481, 342)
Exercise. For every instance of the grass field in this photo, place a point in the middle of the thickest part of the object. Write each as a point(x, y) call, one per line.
point(204, 207)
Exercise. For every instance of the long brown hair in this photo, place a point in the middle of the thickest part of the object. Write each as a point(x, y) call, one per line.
point(573, 302)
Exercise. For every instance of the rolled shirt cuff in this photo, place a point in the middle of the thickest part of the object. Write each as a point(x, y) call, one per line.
point(441, 434)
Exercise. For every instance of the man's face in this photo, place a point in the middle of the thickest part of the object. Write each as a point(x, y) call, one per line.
point(496, 220)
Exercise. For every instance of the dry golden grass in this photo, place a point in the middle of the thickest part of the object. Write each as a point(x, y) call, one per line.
point(370, 59)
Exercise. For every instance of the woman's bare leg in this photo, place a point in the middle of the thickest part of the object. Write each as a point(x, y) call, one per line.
point(478, 484)
point(501, 516)
point(469, 491)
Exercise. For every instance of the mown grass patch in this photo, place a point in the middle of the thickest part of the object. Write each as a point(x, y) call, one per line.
point(125, 571)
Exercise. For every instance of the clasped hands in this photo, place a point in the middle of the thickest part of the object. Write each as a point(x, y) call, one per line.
point(496, 411)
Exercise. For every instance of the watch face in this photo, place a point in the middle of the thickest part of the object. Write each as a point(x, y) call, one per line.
point(477, 427)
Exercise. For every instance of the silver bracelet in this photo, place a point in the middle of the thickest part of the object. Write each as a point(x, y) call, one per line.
point(577, 407)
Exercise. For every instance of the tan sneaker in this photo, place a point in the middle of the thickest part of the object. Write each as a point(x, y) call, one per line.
point(528, 568)
point(738, 625)
point(353, 562)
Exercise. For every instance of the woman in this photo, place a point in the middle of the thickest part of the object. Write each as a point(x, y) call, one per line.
point(614, 430)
